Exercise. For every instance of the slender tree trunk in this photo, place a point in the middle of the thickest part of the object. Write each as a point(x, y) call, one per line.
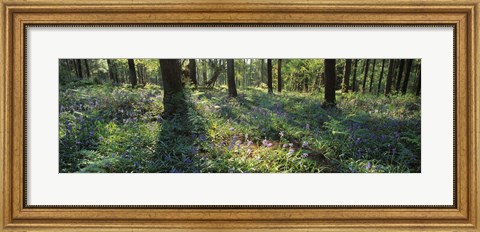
point(216, 73)
point(372, 76)
point(354, 77)
point(110, 70)
point(87, 68)
point(381, 77)
point(79, 68)
point(262, 71)
point(329, 82)
point(407, 75)
point(174, 102)
point(192, 65)
point(245, 73)
point(232, 88)
point(280, 82)
point(388, 85)
point(133, 73)
point(204, 69)
point(269, 75)
point(400, 74)
point(419, 80)
point(365, 75)
point(346, 76)
point(75, 68)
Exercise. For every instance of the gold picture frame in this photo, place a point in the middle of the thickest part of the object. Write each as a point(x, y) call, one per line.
point(464, 15)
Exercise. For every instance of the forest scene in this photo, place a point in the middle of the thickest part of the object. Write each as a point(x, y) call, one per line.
point(239, 115)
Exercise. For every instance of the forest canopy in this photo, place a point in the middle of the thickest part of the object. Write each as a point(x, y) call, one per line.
point(240, 115)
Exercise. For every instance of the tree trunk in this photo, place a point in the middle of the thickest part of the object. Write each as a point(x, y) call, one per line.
point(346, 76)
point(419, 80)
point(372, 76)
point(365, 75)
point(232, 88)
point(204, 69)
point(216, 72)
point(262, 71)
point(400, 74)
point(388, 85)
point(269, 76)
point(192, 65)
point(110, 70)
point(354, 77)
point(407, 76)
point(280, 82)
point(329, 82)
point(381, 77)
point(174, 102)
point(133, 73)
point(79, 68)
point(87, 68)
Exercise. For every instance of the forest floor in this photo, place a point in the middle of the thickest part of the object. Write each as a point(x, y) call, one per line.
point(118, 129)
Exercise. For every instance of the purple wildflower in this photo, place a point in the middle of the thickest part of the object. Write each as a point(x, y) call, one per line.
point(369, 165)
point(266, 143)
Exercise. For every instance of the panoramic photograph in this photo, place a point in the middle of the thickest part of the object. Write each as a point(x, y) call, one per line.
point(239, 115)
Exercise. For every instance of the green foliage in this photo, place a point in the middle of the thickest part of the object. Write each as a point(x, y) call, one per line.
point(105, 128)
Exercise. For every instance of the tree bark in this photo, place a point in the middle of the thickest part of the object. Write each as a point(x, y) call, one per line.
point(110, 70)
point(381, 77)
point(400, 74)
point(87, 68)
point(419, 80)
point(372, 75)
point(262, 71)
point(269, 76)
point(174, 102)
point(192, 65)
point(204, 70)
point(354, 77)
point(133, 73)
point(216, 72)
point(388, 85)
point(330, 82)
point(280, 82)
point(346, 76)
point(407, 75)
point(365, 75)
point(232, 88)
point(79, 68)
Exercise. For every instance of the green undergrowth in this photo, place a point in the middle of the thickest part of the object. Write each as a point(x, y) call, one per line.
point(117, 129)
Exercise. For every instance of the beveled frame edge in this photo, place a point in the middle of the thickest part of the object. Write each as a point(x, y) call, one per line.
point(14, 14)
